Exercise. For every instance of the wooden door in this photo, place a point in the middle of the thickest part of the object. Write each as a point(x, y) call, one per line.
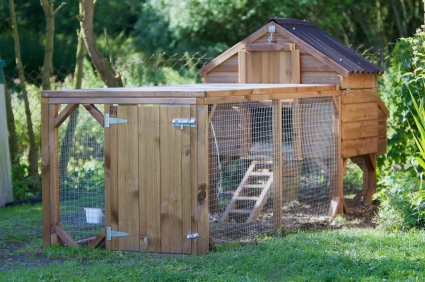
point(149, 177)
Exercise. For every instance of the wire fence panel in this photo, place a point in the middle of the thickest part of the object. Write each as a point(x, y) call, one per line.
point(81, 175)
point(243, 138)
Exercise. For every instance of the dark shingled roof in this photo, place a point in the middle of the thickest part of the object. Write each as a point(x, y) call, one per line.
point(327, 45)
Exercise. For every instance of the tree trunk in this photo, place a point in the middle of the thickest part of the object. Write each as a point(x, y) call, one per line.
point(11, 129)
point(70, 129)
point(105, 70)
point(33, 148)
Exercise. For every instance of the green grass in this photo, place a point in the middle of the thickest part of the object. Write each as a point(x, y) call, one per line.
point(331, 255)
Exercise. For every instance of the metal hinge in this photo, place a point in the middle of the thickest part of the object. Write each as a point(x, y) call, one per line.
point(192, 236)
point(181, 122)
point(112, 233)
point(109, 120)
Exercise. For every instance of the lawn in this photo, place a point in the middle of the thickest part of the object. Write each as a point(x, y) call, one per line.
point(346, 254)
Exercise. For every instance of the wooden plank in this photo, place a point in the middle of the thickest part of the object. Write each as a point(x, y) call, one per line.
point(371, 163)
point(358, 112)
point(54, 173)
point(320, 78)
point(277, 38)
point(94, 112)
point(359, 96)
point(269, 47)
point(297, 127)
point(65, 237)
point(381, 115)
point(186, 183)
point(113, 178)
point(242, 66)
point(245, 130)
point(262, 199)
point(233, 50)
point(222, 77)
point(231, 65)
point(359, 129)
point(311, 64)
point(150, 178)
point(357, 81)
point(98, 239)
point(128, 179)
point(202, 185)
point(382, 146)
point(107, 167)
point(277, 163)
point(295, 67)
point(119, 100)
point(357, 147)
point(253, 67)
point(171, 198)
point(382, 129)
point(65, 114)
point(45, 170)
point(383, 107)
point(194, 177)
point(284, 68)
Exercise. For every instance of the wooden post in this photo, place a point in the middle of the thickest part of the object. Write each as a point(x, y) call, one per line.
point(371, 167)
point(277, 163)
point(54, 173)
point(242, 66)
point(45, 169)
point(202, 185)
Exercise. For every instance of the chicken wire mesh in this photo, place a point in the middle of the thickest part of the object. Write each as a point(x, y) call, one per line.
point(245, 189)
point(81, 175)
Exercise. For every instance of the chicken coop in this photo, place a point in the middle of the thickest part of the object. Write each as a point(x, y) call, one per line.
point(178, 169)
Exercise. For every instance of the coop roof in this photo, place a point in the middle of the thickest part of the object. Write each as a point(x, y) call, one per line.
point(311, 39)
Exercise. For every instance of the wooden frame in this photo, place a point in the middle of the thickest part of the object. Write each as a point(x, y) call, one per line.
point(198, 97)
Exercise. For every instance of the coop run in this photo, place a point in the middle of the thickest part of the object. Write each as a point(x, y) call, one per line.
point(176, 169)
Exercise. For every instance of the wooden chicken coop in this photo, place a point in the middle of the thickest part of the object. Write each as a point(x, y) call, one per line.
point(185, 167)
point(294, 51)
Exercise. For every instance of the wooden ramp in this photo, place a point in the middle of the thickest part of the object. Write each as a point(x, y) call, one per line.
point(254, 188)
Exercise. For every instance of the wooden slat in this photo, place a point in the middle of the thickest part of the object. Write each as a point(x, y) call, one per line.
point(113, 192)
point(356, 147)
point(119, 100)
point(233, 50)
point(311, 64)
point(94, 112)
point(194, 178)
point(357, 112)
point(277, 38)
point(320, 78)
point(295, 67)
point(357, 81)
point(65, 237)
point(382, 146)
point(98, 239)
point(383, 107)
point(284, 68)
point(230, 65)
point(171, 198)
point(297, 126)
point(107, 156)
point(261, 201)
point(65, 114)
point(54, 172)
point(242, 66)
point(269, 47)
point(150, 179)
point(222, 77)
point(186, 183)
point(359, 96)
point(202, 185)
point(359, 129)
point(45, 170)
point(128, 180)
point(371, 163)
point(245, 131)
point(277, 163)
point(382, 129)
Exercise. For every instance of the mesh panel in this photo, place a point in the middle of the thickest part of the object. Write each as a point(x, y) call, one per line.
point(244, 191)
point(81, 175)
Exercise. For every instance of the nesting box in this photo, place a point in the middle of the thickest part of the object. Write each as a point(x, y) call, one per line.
point(185, 167)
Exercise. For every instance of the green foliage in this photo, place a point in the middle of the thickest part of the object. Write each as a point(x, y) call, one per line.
point(24, 185)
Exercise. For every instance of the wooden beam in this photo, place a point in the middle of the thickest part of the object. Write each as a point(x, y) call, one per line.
point(383, 107)
point(295, 67)
point(54, 173)
point(98, 240)
point(277, 163)
point(65, 114)
point(107, 172)
point(95, 113)
point(45, 170)
point(64, 236)
point(269, 47)
point(242, 66)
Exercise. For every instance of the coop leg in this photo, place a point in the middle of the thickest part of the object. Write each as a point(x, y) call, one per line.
point(371, 166)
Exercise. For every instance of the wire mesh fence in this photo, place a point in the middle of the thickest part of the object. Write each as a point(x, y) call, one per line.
point(245, 186)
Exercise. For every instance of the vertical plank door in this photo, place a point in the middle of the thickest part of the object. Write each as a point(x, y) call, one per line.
point(151, 179)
